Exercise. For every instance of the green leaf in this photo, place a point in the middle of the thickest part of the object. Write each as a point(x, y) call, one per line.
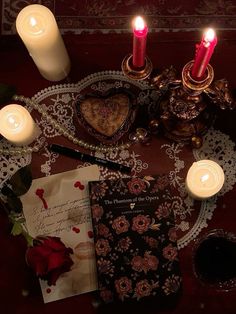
point(21, 181)
point(29, 239)
point(6, 93)
point(17, 228)
point(21, 220)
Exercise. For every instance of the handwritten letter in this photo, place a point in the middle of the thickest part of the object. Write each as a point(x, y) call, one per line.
point(62, 209)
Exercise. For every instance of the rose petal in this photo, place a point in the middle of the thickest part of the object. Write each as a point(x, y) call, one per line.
point(37, 262)
point(49, 258)
point(41, 268)
point(56, 273)
point(68, 251)
point(56, 260)
point(42, 250)
point(53, 276)
point(54, 243)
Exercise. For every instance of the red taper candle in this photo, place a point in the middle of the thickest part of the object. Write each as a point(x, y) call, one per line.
point(203, 54)
point(140, 31)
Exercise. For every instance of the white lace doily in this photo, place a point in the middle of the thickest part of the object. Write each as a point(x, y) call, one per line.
point(216, 146)
point(57, 101)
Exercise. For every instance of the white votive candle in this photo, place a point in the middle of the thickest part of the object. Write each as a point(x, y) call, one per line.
point(37, 27)
point(17, 125)
point(204, 179)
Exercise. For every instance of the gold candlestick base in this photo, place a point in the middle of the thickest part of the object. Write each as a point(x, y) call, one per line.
point(192, 86)
point(136, 73)
point(186, 108)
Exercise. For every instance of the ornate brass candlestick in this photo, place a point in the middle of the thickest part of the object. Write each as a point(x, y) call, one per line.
point(186, 108)
point(136, 73)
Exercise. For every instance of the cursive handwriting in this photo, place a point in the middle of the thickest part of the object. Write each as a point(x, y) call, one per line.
point(60, 217)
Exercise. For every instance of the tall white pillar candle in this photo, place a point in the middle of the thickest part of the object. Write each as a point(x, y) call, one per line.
point(204, 179)
point(17, 125)
point(37, 27)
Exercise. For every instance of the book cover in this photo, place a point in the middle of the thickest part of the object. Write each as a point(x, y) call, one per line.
point(135, 238)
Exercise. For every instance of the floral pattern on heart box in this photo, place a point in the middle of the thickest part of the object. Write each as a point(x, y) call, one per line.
point(135, 238)
point(106, 116)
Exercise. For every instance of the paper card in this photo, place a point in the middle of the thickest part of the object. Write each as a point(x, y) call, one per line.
point(58, 205)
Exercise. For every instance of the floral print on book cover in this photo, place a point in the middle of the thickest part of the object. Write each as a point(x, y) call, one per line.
point(135, 238)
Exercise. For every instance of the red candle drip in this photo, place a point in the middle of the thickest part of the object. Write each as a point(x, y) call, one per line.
point(140, 31)
point(39, 193)
point(203, 54)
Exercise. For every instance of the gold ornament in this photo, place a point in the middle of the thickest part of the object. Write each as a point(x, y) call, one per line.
point(196, 141)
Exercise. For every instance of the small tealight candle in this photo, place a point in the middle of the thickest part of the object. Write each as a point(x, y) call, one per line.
point(17, 125)
point(204, 179)
point(37, 27)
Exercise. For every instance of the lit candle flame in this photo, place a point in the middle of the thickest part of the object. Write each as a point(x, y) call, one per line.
point(36, 25)
point(209, 36)
point(33, 21)
point(204, 178)
point(13, 122)
point(139, 24)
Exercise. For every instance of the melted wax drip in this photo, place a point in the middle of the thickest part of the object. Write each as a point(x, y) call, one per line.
point(39, 193)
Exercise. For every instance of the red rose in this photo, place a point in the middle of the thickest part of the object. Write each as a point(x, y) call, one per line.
point(49, 258)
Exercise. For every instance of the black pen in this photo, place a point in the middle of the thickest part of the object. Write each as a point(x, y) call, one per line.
point(85, 157)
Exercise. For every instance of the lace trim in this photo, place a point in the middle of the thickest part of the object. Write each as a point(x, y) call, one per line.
point(88, 80)
point(219, 147)
point(216, 146)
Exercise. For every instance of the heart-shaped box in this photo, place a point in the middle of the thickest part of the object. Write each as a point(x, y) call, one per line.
point(106, 116)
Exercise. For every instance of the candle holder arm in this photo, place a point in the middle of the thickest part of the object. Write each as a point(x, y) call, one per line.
point(220, 94)
point(186, 108)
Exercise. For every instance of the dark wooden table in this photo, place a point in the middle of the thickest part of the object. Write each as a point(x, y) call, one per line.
point(90, 54)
